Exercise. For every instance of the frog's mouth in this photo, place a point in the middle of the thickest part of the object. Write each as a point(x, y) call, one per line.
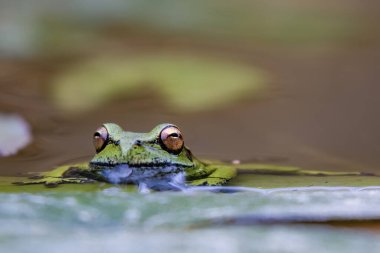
point(136, 173)
point(101, 165)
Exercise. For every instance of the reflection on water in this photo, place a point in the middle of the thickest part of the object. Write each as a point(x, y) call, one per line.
point(116, 221)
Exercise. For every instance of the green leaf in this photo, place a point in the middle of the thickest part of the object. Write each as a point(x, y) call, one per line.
point(185, 82)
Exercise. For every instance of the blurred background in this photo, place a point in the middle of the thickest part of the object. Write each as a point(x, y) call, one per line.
point(286, 82)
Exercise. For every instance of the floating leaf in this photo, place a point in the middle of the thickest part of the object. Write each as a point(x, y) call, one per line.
point(185, 82)
point(255, 175)
point(15, 134)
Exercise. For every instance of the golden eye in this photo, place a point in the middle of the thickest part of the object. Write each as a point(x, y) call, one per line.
point(172, 139)
point(100, 139)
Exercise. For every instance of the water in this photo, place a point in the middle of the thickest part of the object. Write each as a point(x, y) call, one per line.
point(115, 221)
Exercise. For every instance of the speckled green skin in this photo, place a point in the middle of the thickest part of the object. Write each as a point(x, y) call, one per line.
point(142, 152)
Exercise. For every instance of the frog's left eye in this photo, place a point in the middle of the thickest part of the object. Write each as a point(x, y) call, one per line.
point(171, 139)
point(100, 139)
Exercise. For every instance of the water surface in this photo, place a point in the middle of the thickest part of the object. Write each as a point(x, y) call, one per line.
point(112, 220)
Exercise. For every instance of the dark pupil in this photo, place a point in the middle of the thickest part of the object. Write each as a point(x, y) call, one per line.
point(175, 135)
point(97, 134)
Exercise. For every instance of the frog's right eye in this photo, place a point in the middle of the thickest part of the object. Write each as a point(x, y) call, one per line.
point(100, 139)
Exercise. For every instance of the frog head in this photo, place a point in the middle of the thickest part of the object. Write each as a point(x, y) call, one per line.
point(140, 155)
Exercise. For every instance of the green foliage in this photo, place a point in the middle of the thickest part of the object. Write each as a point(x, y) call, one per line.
point(185, 82)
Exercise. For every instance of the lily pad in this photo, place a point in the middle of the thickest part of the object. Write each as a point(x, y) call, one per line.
point(185, 82)
point(15, 134)
point(249, 177)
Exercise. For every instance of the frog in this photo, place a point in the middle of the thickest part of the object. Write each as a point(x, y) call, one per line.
point(124, 157)
point(158, 159)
